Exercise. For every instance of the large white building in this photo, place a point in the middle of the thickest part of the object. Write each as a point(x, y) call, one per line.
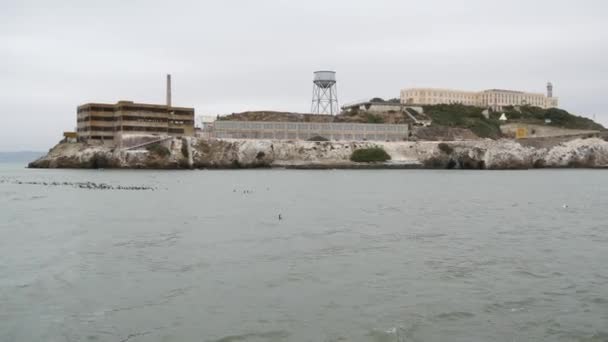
point(493, 98)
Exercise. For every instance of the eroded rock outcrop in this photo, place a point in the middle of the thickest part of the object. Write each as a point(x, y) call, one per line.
point(183, 153)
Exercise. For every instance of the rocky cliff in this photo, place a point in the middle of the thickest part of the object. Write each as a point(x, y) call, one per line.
point(184, 153)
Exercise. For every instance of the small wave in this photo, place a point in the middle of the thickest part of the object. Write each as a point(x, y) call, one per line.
point(533, 275)
point(599, 300)
point(512, 306)
point(279, 335)
point(395, 334)
point(454, 316)
point(427, 236)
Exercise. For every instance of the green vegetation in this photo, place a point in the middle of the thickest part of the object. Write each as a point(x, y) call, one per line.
point(370, 155)
point(158, 150)
point(381, 100)
point(558, 117)
point(317, 138)
point(456, 115)
point(374, 118)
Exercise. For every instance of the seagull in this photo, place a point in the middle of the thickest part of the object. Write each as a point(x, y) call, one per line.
point(565, 206)
point(280, 217)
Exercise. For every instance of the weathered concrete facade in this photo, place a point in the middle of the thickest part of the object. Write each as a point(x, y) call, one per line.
point(523, 130)
point(109, 122)
point(305, 130)
point(374, 107)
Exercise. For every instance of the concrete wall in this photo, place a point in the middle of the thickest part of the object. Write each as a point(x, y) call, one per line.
point(304, 131)
point(539, 131)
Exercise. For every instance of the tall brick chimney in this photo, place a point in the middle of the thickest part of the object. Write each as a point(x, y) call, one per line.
point(169, 90)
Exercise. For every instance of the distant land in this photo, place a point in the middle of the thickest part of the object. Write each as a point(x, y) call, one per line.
point(20, 156)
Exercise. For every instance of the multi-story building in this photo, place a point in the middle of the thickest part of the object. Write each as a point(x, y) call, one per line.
point(110, 122)
point(495, 99)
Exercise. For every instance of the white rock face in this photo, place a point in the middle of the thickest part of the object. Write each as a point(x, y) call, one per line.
point(508, 154)
point(592, 152)
point(198, 153)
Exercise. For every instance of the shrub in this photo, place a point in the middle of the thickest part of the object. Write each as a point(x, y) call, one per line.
point(373, 118)
point(370, 155)
point(317, 138)
point(445, 148)
point(158, 150)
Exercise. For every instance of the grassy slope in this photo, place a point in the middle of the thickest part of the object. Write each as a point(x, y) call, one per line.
point(470, 117)
point(464, 117)
point(558, 117)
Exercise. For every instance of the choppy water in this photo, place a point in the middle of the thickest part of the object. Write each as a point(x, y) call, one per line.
point(359, 256)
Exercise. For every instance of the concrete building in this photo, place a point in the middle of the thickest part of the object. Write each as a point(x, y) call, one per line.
point(306, 130)
point(373, 106)
point(110, 122)
point(495, 99)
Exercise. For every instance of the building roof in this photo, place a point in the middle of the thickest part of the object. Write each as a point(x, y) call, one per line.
point(128, 104)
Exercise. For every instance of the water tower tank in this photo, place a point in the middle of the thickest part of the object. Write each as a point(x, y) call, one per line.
point(324, 93)
point(324, 78)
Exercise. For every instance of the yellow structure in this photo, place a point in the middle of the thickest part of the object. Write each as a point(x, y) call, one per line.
point(521, 133)
point(492, 98)
point(70, 137)
point(109, 122)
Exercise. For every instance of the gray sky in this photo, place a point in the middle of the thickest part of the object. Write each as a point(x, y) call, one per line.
point(234, 55)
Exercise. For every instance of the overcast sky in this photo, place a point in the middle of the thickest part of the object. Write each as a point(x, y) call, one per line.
point(234, 55)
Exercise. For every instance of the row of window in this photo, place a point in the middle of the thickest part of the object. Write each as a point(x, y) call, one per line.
point(100, 137)
point(149, 119)
point(95, 109)
point(134, 109)
point(462, 96)
point(130, 129)
point(95, 118)
point(485, 101)
point(95, 128)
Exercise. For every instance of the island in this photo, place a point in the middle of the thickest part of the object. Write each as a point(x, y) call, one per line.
point(378, 134)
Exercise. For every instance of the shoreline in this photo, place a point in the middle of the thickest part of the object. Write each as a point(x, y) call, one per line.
point(193, 153)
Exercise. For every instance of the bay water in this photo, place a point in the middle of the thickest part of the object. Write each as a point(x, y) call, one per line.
point(287, 255)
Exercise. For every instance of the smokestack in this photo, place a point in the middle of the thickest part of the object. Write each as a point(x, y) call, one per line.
point(549, 90)
point(169, 90)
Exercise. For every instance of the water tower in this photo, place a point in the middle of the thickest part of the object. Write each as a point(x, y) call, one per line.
point(324, 93)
